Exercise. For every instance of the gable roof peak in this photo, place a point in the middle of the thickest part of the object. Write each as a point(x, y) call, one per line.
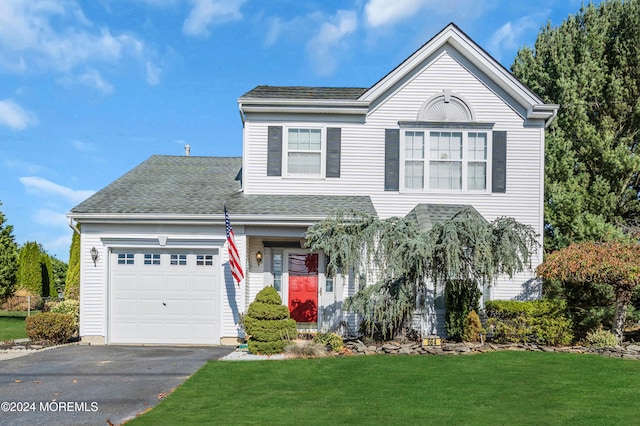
point(452, 37)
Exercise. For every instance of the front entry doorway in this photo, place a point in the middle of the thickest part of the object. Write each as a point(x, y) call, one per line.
point(303, 289)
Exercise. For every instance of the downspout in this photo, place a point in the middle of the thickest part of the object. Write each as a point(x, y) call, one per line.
point(550, 119)
point(72, 225)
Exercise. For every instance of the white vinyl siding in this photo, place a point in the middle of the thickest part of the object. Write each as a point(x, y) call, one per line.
point(363, 151)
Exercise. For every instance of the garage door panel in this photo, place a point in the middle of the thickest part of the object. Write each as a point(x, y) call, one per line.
point(202, 308)
point(178, 308)
point(150, 282)
point(150, 331)
point(151, 307)
point(124, 306)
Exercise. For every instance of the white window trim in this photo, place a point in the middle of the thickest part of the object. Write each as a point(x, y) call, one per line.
point(465, 160)
point(323, 151)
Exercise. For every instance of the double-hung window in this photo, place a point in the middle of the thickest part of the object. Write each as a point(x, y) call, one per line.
point(304, 152)
point(445, 160)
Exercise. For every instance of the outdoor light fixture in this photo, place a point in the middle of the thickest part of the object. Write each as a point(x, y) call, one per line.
point(94, 255)
point(259, 257)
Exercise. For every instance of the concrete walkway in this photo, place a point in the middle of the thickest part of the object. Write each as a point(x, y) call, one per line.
point(88, 385)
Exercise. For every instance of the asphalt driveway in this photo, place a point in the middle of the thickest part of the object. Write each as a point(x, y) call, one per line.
point(86, 385)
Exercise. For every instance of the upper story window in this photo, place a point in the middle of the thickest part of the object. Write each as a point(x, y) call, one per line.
point(304, 152)
point(301, 151)
point(446, 160)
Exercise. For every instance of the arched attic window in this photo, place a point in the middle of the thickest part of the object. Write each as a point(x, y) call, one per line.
point(446, 107)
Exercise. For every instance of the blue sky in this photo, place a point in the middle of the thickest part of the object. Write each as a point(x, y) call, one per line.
point(90, 89)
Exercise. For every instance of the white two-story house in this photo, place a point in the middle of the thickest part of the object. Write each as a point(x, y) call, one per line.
point(448, 127)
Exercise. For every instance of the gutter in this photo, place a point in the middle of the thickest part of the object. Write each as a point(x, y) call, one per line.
point(72, 225)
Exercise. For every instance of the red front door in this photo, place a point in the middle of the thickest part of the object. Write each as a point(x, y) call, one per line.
point(303, 287)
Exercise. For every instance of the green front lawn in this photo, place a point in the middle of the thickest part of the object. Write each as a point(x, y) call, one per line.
point(496, 389)
point(12, 325)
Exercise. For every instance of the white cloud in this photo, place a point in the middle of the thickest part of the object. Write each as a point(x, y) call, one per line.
point(81, 146)
point(51, 218)
point(323, 47)
point(55, 35)
point(25, 166)
point(387, 12)
point(41, 186)
point(153, 73)
point(14, 116)
point(208, 12)
point(381, 13)
point(93, 79)
point(510, 36)
point(274, 31)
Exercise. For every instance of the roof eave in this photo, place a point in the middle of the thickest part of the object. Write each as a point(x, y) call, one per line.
point(238, 219)
point(304, 106)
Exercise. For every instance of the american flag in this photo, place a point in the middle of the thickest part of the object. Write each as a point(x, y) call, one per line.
point(234, 257)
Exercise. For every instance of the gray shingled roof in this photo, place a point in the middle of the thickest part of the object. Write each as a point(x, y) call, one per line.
point(305, 92)
point(426, 215)
point(199, 186)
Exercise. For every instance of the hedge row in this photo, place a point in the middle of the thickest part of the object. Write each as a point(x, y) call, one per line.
point(544, 322)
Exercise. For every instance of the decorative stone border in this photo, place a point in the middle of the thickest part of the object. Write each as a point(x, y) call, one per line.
point(357, 347)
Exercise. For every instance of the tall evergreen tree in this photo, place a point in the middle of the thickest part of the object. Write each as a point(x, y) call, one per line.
point(30, 269)
point(590, 65)
point(59, 275)
point(72, 285)
point(8, 258)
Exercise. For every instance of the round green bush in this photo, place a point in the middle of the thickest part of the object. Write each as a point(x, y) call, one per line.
point(50, 326)
point(271, 330)
point(269, 295)
point(268, 324)
point(266, 311)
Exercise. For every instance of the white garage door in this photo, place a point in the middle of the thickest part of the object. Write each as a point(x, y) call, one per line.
point(164, 297)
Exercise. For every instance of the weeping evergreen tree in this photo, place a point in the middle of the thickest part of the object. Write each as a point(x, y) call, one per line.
point(399, 259)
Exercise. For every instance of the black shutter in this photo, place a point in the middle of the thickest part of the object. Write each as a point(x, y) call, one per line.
point(499, 162)
point(333, 151)
point(392, 160)
point(274, 151)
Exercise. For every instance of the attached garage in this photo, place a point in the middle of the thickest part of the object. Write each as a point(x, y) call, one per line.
point(169, 296)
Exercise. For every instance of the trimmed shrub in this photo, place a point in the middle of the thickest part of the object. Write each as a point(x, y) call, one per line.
point(70, 307)
point(50, 326)
point(332, 340)
point(268, 324)
point(544, 322)
point(601, 339)
point(472, 327)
